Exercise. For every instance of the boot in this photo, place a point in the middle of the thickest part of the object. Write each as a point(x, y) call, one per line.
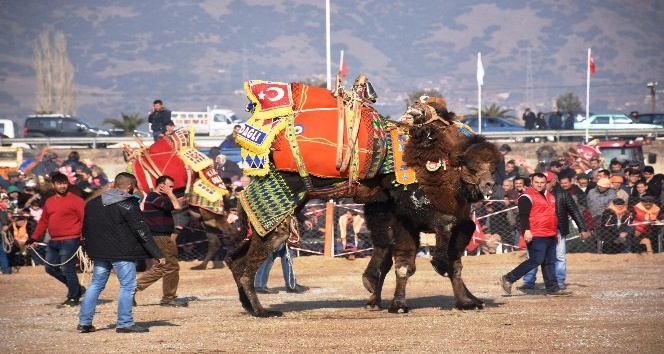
point(201, 266)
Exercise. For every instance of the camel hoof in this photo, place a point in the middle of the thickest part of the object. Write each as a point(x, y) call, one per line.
point(372, 306)
point(398, 308)
point(469, 305)
point(269, 313)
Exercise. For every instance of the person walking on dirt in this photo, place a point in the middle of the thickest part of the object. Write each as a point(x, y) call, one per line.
point(62, 216)
point(115, 235)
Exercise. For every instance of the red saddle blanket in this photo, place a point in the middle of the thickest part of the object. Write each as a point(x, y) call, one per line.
point(316, 132)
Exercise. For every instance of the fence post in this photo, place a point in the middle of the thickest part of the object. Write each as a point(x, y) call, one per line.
point(328, 250)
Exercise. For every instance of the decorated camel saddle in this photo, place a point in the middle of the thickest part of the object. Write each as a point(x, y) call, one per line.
point(175, 156)
point(319, 133)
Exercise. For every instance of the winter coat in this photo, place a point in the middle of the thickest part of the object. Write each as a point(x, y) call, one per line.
point(114, 229)
point(565, 205)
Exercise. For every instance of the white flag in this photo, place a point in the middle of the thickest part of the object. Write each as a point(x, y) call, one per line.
point(480, 70)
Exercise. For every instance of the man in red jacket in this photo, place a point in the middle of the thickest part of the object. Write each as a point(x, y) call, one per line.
point(62, 216)
point(539, 227)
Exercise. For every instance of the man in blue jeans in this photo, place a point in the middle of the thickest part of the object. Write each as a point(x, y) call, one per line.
point(263, 273)
point(539, 225)
point(62, 216)
point(115, 236)
point(565, 208)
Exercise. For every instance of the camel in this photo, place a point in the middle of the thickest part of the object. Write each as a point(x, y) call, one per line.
point(397, 204)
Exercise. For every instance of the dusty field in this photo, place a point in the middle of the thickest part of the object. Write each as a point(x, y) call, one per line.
point(617, 307)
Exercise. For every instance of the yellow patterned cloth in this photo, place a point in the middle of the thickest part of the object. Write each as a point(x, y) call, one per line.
point(403, 173)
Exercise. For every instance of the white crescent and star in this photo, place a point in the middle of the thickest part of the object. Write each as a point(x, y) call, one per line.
point(279, 94)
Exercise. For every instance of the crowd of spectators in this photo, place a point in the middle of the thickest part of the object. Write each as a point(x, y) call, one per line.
point(621, 204)
point(22, 196)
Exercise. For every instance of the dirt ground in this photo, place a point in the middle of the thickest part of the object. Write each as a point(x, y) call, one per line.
point(617, 307)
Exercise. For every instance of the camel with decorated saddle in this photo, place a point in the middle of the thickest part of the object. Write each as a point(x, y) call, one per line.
point(303, 142)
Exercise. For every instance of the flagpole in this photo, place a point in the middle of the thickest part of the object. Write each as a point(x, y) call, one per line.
point(327, 44)
point(587, 93)
point(480, 82)
point(341, 61)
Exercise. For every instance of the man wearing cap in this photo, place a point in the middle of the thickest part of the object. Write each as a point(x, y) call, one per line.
point(565, 208)
point(599, 199)
point(617, 185)
point(616, 232)
point(645, 213)
point(63, 218)
point(539, 226)
point(15, 180)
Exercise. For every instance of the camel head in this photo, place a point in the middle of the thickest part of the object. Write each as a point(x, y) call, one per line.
point(477, 164)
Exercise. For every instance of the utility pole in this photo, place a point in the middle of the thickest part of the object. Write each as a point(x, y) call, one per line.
point(529, 80)
point(653, 102)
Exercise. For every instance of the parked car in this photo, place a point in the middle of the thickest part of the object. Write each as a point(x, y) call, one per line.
point(651, 118)
point(494, 124)
point(121, 132)
point(59, 125)
point(614, 121)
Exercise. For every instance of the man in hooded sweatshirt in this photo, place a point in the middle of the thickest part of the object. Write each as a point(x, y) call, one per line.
point(114, 236)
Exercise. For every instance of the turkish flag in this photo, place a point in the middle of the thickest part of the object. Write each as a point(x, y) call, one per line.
point(478, 236)
point(272, 94)
point(591, 63)
point(343, 70)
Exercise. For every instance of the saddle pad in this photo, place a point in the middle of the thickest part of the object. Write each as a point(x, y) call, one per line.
point(268, 201)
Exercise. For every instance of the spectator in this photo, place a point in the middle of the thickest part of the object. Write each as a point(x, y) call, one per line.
point(158, 118)
point(556, 120)
point(616, 168)
point(639, 192)
point(645, 213)
point(5, 247)
point(229, 142)
point(634, 176)
point(503, 150)
point(115, 235)
point(615, 231)
point(62, 218)
point(15, 180)
point(529, 119)
point(99, 178)
point(568, 123)
point(583, 181)
point(539, 224)
point(654, 181)
point(227, 168)
point(616, 184)
point(19, 229)
point(74, 160)
point(158, 208)
point(263, 273)
point(169, 128)
point(594, 167)
point(599, 199)
point(509, 172)
point(540, 122)
point(36, 209)
point(566, 208)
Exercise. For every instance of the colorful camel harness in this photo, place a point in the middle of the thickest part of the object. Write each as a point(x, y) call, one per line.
point(294, 124)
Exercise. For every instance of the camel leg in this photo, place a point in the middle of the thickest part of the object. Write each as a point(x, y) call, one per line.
point(213, 246)
point(380, 263)
point(440, 259)
point(405, 251)
point(244, 263)
point(463, 298)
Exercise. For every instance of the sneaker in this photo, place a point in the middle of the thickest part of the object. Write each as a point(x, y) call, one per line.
point(132, 329)
point(506, 285)
point(68, 303)
point(265, 290)
point(81, 292)
point(175, 303)
point(85, 328)
point(298, 289)
point(562, 287)
point(559, 293)
point(526, 287)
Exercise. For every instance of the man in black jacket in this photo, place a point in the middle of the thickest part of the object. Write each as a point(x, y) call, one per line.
point(158, 118)
point(114, 236)
point(565, 207)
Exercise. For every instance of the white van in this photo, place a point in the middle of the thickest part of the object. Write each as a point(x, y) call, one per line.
point(214, 122)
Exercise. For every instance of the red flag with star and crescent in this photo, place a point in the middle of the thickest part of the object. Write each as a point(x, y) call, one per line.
point(272, 95)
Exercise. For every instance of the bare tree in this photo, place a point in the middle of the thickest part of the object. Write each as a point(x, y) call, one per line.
point(56, 92)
